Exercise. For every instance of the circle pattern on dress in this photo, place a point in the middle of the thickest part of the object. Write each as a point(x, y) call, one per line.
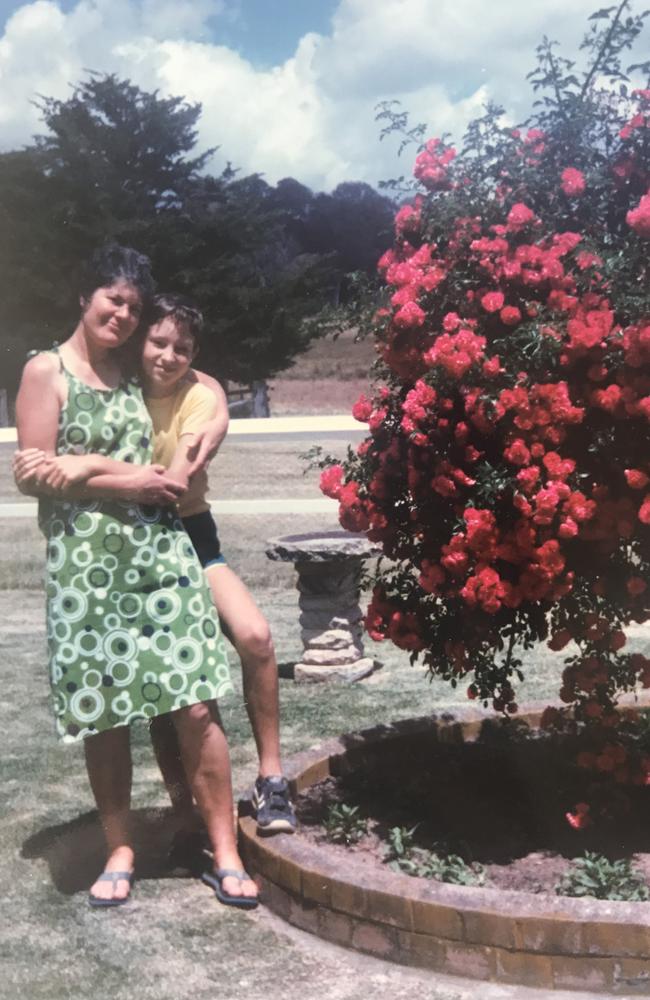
point(126, 639)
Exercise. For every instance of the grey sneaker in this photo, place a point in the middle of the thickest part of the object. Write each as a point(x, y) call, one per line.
point(273, 806)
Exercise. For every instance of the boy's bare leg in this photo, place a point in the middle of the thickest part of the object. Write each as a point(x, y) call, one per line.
point(108, 761)
point(206, 760)
point(168, 755)
point(247, 628)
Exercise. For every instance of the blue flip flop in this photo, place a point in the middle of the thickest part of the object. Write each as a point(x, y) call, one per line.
point(215, 878)
point(113, 877)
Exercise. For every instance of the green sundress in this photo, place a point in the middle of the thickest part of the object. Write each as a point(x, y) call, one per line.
point(132, 631)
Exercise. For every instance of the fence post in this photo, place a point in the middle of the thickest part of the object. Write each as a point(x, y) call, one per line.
point(261, 406)
point(4, 408)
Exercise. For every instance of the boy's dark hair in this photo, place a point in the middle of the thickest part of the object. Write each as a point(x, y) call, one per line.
point(111, 263)
point(179, 308)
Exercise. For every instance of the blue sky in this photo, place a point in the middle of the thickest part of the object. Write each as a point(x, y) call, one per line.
point(288, 87)
point(264, 31)
point(268, 31)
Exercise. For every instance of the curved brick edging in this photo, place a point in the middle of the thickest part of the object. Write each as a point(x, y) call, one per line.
point(487, 934)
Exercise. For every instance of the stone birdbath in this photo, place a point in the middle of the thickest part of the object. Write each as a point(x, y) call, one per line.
point(329, 567)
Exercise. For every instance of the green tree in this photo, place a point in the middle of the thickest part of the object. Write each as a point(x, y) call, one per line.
point(118, 163)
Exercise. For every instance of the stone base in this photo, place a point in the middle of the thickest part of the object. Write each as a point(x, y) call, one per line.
point(308, 673)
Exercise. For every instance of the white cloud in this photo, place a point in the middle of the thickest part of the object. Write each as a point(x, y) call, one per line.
point(312, 116)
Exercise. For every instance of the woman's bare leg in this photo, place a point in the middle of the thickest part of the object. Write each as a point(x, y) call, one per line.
point(206, 760)
point(108, 761)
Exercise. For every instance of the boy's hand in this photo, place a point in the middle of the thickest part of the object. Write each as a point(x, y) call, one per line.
point(205, 446)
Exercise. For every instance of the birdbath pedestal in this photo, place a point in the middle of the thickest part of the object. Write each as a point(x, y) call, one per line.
point(329, 566)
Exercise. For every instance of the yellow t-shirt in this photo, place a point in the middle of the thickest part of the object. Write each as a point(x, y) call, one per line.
point(184, 412)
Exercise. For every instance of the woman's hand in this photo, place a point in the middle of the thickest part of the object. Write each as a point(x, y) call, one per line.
point(34, 471)
point(59, 472)
point(25, 465)
point(150, 484)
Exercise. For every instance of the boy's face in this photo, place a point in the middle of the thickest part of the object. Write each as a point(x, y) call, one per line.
point(167, 354)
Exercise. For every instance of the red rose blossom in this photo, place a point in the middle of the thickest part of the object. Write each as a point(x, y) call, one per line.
point(573, 182)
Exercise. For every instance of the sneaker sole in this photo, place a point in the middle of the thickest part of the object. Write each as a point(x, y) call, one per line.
point(276, 826)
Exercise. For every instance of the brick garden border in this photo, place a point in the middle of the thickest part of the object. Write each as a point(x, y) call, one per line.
point(486, 934)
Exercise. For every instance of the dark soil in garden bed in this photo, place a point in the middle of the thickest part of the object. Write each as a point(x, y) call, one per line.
point(499, 803)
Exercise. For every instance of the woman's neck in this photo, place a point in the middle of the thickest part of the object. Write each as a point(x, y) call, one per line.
point(94, 364)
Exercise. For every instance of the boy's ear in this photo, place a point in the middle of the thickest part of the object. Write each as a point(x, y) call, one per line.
point(83, 302)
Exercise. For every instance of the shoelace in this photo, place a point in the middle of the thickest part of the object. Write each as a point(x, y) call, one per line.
point(277, 801)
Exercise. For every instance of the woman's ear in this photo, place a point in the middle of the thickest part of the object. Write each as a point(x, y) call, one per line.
point(83, 302)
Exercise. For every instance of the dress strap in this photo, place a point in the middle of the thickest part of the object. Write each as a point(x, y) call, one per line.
point(55, 350)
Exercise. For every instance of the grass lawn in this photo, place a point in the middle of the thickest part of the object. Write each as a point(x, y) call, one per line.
point(173, 941)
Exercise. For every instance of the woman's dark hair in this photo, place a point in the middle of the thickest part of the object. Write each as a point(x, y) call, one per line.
point(180, 309)
point(111, 263)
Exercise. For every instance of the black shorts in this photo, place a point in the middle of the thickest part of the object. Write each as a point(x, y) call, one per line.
point(202, 530)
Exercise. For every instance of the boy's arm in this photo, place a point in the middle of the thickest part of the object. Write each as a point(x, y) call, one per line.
point(207, 440)
point(183, 465)
point(146, 484)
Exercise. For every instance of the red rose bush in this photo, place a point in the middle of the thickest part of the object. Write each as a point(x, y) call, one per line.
point(506, 473)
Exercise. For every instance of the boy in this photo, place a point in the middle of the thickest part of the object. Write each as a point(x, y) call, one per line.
point(180, 408)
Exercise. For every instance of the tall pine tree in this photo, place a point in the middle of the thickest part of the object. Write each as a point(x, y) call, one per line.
point(119, 163)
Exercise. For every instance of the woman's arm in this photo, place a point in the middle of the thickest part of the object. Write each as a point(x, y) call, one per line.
point(92, 475)
point(60, 472)
point(38, 405)
point(208, 440)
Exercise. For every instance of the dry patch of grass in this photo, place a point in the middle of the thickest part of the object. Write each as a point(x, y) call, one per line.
point(300, 397)
point(342, 357)
point(328, 378)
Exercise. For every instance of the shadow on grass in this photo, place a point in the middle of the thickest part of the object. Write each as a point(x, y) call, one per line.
point(75, 851)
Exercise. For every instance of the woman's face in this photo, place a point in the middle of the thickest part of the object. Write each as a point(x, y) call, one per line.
point(112, 314)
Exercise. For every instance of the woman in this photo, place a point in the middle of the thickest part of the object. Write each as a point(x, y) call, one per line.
point(132, 632)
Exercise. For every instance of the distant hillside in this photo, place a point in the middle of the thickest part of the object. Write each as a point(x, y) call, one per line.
point(328, 378)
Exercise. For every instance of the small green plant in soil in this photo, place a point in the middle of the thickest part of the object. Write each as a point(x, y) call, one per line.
point(597, 876)
point(400, 843)
point(344, 825)
point(403, 856)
